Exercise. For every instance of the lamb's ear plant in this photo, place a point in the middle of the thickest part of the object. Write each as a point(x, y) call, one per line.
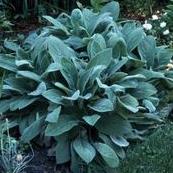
point(87, 82)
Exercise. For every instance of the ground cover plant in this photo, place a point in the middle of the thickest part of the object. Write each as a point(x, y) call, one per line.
point(84, 86)
point(153, 156)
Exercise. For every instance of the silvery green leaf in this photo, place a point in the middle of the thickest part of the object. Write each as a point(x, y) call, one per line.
point(33, 130)
point(31, 38)
point(51, 68)
point(5, 105)
point(89, 76)
point(77, 17)
point(113, 125)
point(8, 63)
point(58, 49)
point(129, 102)
point(40, 90)
point(53, 95)
point(11, 45)
point(149, 105)
point(137, 76)
point(84, 149)
point(89, 19)
point(91, 119)
point(144, 90)
point(69, 72)
point(53, 116)
point(114, 88)
point(21, 102)
point(19, 84)
point(147, 50)
point(29, 75)
point(96, 44)
point(74, 97)
point(108, 154)
point(86, 97)
point(149, 74)
point(134, 38)
point(64, 124)
point(74, 166)
point(120, 141)
point(23, 62)
point(95, 73)
point(7, 87)
point(62, 149)
point(93, 20)
point(62, 87)
point(113, 8)
point(102, 105)
point(57, 24)
point(163, 56)
point(102, 58)
point(75, 42)
point(118, 44)
point(117, 65)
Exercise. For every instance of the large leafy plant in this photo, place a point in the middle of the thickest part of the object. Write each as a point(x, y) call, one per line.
point(85, 85)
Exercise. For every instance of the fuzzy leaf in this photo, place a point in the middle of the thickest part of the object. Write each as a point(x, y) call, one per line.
point(56, 23)
point(129, 102)
point(74, 97)
point(69, 72)
point(149, 105)
point(62, 149)
point(134, 38)
point(120, 141)
point(102, 58)
point(53, 95)
point(147, 50)
point(84, 149)
point(54, 115)
point(113, 125)
point(108, 154)
point(113, 8)
point(30, 75)
point(91, 119)
point(144, 90)
point(64, 124)
point(96, 45)
point(21, 102)
point(102, 105)
point(40, 90)
point(32, 131)
point(8, 63)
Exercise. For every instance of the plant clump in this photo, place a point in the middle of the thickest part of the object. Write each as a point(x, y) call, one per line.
point(85, 86)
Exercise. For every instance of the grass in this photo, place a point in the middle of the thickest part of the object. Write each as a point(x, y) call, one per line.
point(155, 155)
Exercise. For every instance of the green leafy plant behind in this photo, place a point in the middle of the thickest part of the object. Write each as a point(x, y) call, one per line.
point(169, 13)
point(87, 84)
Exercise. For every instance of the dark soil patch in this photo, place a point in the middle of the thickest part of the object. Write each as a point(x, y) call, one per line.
point(41, 163)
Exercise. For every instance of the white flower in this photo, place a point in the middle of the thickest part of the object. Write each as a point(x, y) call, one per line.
point(147, 26)
point(163, 24)
point(166, 32)
point(155, 17)
point(19, 157)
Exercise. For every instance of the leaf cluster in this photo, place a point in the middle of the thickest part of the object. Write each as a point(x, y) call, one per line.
point(85, 85)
